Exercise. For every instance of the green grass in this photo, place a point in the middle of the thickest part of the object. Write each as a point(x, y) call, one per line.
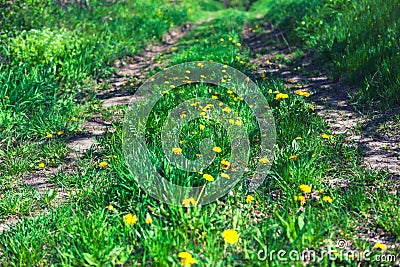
point(85, 231)
point(355, 40)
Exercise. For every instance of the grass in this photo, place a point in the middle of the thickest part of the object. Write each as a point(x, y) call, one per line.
point(91, 229)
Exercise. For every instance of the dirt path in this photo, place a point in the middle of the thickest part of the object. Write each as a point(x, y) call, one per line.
point(129, 71)
point(380, 147)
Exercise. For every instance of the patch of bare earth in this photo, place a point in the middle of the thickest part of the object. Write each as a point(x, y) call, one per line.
point(131, 71)
point(375, 135)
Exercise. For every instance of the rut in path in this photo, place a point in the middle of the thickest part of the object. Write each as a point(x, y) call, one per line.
point(137, 66)
point(380, 150)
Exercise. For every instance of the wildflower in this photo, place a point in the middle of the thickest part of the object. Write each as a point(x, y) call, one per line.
point(60, 133)
point(225, 175)
point(226, 109)
point(221, 39)
point(301, 199)
point(201, 127)
point(238, 123)
point(41, 165)
point(225, 164)
point(148, 220)
point(325, 136)
point(263, 160)
point(203, 114)
point(231, 121)
point(187, 201)
point(327, 199)
point(110, 207)
point(172, 86)
point(217, 149)
point(199, 155)
point(302, 93)
point(124, 83)
point(49, 136)
point(305, 188)
point(280, 96)
point(298, 138)
point(267, 62)
point(312, 108)
point(239, 44)
point(270, 91)
point(293, 157)
point(214, 97)
point(102, 164)
point(187, 71)
point(130, 219)
point(249, 199)
point(208, 177)
point(177, 150)
point(6, 97)
point(186, 259)
point(183, 115)
point(380, 246)
point(230, 236)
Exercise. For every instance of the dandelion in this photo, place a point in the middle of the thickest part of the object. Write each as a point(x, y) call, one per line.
point(280, 96)
point(325, 136)
point(239, 44)
point(327, 199)
point(231, 121)
point(49, 136)
point(225, 164)
point(225, 175)
point(267, 62)
point(238, 123)
point(103, 164)
point(226, 109)
point(41, 165)
point(187, 71)
point(183, 115)
point(177, 150)
point(187, 201)
point(214, 97)
point(293, 157)
point(201, 127)
point(148, 220)
point(270, 91)
point(302, 93)
point(172, 86)
point(380, 246)
point(60, 133)
point(217, 149)
point(186, 259)
point(301, 199)
point(199, 155)
point(249, 199)
point(230, 236)
point(208, 177)
point(124, 83)
point(305, 188)
point(110, 207)
point(130, 219)
point(298, 138)
point(203, 114)
point(263, 160)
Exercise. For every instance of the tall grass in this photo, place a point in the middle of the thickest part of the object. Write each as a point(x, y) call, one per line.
point(357, 41)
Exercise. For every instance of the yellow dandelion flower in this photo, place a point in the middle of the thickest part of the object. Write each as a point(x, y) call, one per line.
point(312, 108)
point(148, 220)
point(177, 150)
point(327, 199)
point(293, 157)
point(238, 123)
point(325, 136)
point(214, 97)
point(103, 164)
point(60, 133)
point(203, 114)
point(208, 177)
point(263, 160)
point(231, 121)
point(225, 175)
point(41, 165)
point(267, 62)
point(187, 201)
point(301, 199)
point(298, 138)
point(217, 149)
point(249, 199)
point(199, 155)
point(49, 136)
point(183, 115)
point(187, 71)
point(186, 259)
point(230, 236)
point(280, 96)
point(172, 86)
point(226, 109)
point(302, 93)
point(202, 127)
point(239, 44)
point(380, 246)
point(130, 219)
point(221, 39)
point(110, 207)
point(225, 164)
point(305, 188)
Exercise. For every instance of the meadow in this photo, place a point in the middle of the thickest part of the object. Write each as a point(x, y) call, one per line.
point(57, 57)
